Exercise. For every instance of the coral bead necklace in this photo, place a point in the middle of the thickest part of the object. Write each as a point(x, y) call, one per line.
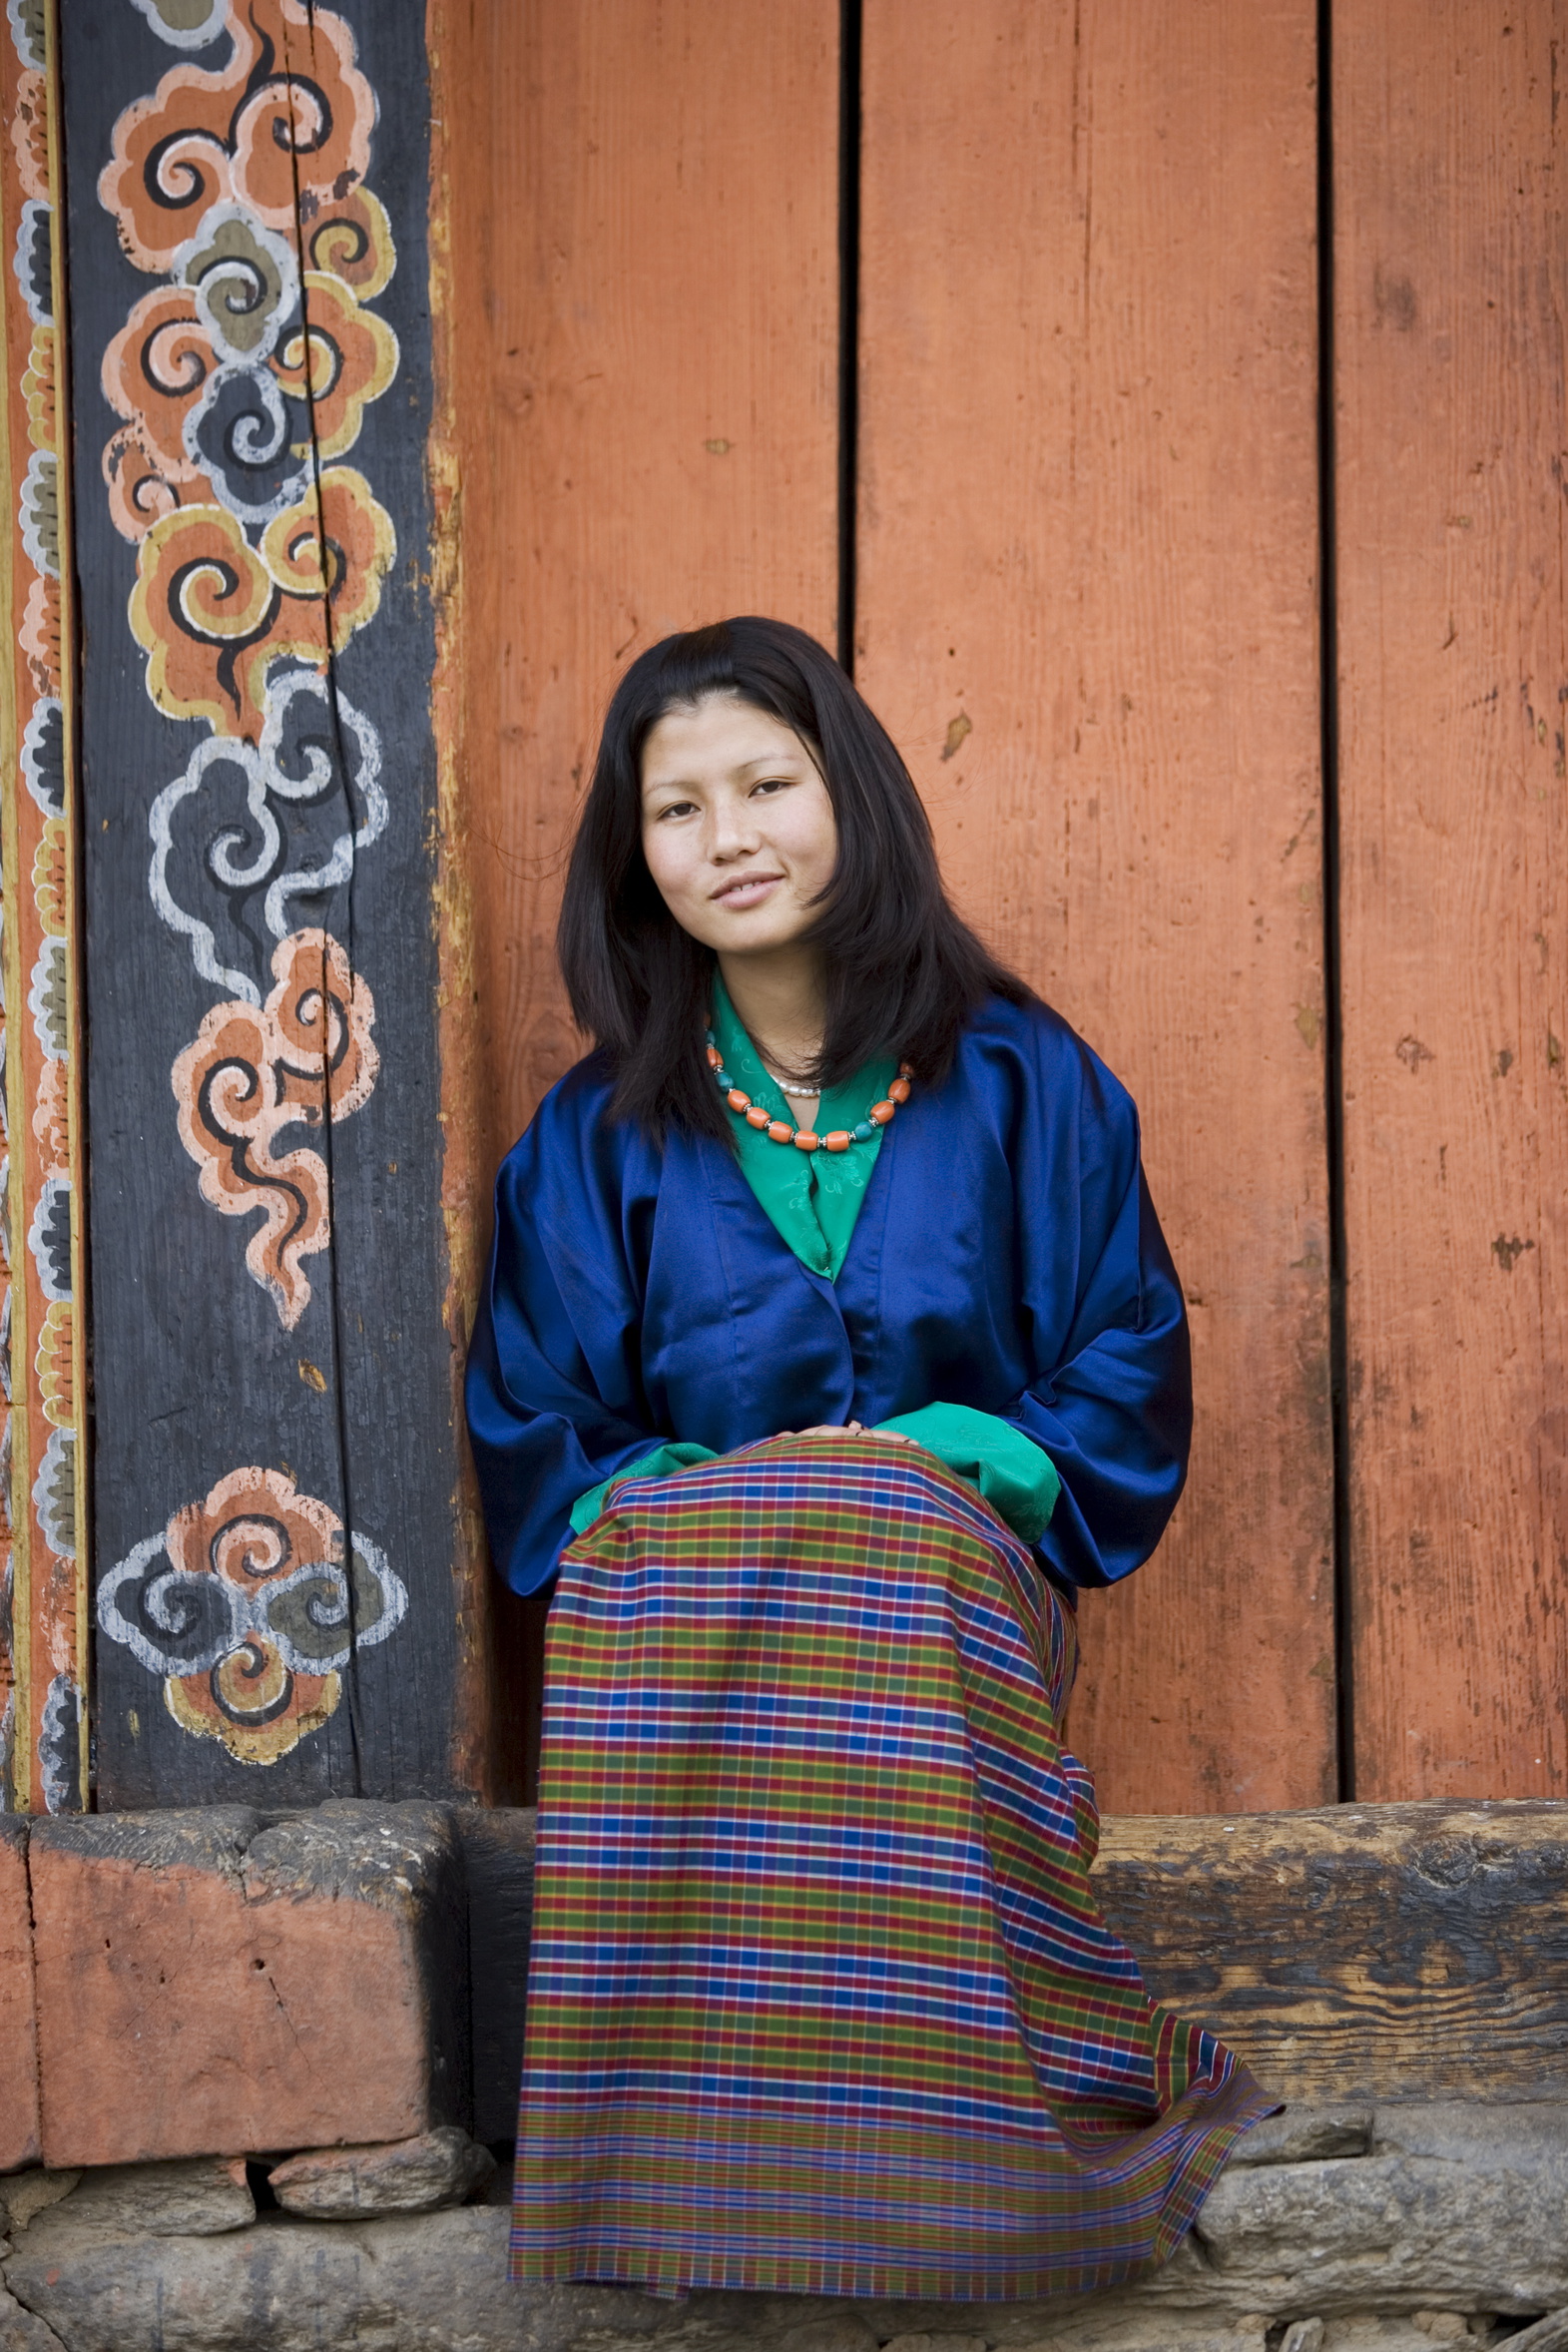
point(805, 1138)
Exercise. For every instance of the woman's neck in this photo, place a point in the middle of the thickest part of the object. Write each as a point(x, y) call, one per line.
point(781, 1000)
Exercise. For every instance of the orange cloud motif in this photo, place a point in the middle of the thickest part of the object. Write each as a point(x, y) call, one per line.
point(288, 116)
point(252, 1072)
point(250, 1604)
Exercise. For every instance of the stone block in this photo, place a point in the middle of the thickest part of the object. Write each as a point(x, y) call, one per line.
point(440, 2167)
point(1458, 2208)
point(926, 2342)
point(1304, 2135)
point(20, 2142)
point(499, 1850)
point(23, 2331)
point(432, 2282)
point(1325, 1946)
point(194, 2196)
point(1548, 2335)
point(23, 2195)
point(211, 1982)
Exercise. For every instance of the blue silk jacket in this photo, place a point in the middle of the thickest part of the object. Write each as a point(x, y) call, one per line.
point(1007, 1256)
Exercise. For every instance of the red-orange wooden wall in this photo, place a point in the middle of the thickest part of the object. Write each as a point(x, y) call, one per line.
point(1088, 574)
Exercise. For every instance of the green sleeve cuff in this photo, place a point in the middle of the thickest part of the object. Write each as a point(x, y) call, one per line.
point(681, 1453)
point(1015, 1476)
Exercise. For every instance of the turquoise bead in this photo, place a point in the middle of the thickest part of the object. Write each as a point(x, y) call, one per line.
point(864, 1132)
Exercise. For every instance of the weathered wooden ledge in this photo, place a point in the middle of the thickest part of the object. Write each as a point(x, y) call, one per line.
point(225, 1981)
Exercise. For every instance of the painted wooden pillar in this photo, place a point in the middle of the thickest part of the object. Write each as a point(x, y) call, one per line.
point(283, 1596)
point(44, 1751)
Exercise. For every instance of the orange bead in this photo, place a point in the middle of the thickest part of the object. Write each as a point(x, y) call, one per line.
point(805, 1141)
point(736, 1100)
point(757, 1116)
point(898, 1090)
point(881, 1112)
point(780, 1132)
point(839, 1140)
point(713, 1057)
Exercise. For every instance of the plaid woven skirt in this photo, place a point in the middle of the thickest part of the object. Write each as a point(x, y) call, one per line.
point(820, 1999)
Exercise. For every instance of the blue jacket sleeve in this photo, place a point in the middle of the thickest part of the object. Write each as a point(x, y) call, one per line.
point(1112, 1406)
point(554, 1392)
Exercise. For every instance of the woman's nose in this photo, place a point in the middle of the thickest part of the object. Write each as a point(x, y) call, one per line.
point(732, 832)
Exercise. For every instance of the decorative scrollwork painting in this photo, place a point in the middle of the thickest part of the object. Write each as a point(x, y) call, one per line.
point(240, 381)
point(43, 1645)
point(250, 1606)
point(252, 380)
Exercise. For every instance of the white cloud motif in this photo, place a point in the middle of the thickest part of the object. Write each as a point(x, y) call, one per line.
point(250, 827)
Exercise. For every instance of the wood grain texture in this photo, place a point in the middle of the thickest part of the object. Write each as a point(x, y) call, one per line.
point(499, 1852)
point(644, 252)
point(20, 2141)
point(1366, 1952)
point(501, 1682)
point(1087, 611)
point(1451, 272)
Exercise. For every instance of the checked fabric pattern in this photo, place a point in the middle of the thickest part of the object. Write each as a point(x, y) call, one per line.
point(820, 1999)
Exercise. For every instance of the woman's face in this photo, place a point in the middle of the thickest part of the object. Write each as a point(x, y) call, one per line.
point(737, 828)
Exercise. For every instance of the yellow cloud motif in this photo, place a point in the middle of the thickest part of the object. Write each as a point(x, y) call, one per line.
point(212, 613)
point(49, 878)
point(53, 1361)
point(38, 389)
point(213, 1706)
point(336, 365)
point(358, 540)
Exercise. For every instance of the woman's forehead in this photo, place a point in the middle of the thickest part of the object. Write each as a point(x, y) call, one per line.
point(720, 736)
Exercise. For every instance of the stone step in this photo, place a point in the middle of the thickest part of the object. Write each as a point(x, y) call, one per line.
point(1446, 2228)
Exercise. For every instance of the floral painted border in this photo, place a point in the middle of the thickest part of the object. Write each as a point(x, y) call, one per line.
point(44, 1761)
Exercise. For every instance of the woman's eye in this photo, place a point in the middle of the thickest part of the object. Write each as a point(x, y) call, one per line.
point(772, 784)
point(675, 809)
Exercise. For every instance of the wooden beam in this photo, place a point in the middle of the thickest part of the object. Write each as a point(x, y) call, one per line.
point(1368, 1952)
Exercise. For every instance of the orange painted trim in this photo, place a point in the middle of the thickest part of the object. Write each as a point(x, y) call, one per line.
point(46, 1742)
point(478, 1758)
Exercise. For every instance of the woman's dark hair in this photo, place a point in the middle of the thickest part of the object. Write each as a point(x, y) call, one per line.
point(904, 973)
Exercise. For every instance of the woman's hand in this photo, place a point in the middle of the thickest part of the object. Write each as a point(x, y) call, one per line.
point(848, 1429)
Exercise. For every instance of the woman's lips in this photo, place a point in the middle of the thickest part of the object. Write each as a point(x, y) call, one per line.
point(748, 891)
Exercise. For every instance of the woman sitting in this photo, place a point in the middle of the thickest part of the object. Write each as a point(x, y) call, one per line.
point(830, 1345)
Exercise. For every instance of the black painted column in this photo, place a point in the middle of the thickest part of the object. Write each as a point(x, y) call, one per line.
point(251, 364)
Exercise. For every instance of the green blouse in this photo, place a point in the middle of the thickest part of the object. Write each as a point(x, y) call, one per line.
point(814, 1199)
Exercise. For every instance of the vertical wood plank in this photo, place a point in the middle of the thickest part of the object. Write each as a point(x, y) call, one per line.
point(645, 278)
point(1452, 273)
point(1087, 611)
